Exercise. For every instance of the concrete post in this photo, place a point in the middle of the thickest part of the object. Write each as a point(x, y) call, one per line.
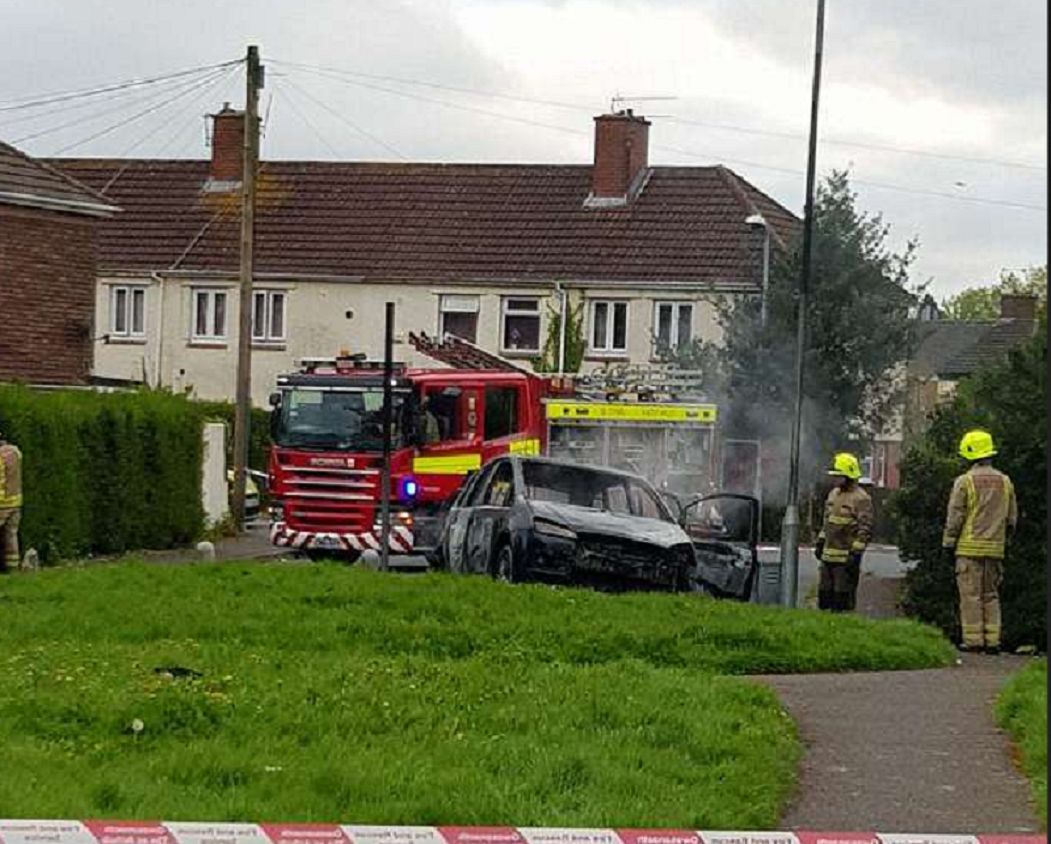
point(214, 497)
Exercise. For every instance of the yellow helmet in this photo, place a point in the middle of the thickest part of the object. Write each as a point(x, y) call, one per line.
point(976, 445)
point(845, 465)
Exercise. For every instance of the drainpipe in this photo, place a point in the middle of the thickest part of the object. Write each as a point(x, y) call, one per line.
point(563, 296)
point(157, 277)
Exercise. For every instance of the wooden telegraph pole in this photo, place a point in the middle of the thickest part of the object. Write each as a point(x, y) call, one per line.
point(242, 415)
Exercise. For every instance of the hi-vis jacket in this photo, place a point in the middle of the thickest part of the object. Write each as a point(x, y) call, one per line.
point(10, 477)
point(848, 523)
point(981, 508)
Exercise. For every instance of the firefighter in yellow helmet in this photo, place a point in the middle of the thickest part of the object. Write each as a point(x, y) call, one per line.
point(10, 502)
point(982, 510)
point(844, 536)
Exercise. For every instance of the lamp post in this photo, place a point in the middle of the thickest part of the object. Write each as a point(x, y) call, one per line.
point(758, 221)
point(790, 523)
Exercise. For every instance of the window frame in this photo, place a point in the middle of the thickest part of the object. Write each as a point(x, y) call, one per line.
point(131, 292)
point(609, 350)
point(446, 299)
point(269, 336)
point(505, 312)
point(676, 306)
point(211, 295)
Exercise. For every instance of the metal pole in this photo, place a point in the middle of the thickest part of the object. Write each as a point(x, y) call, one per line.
point(388, 376)
point(563, 296)
point(790, 524)
point(242, 415)
point(766, 273)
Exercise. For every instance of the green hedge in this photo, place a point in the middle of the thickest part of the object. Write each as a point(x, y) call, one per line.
point(105, 473)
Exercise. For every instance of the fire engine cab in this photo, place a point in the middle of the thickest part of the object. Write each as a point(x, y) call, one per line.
point(326, 461)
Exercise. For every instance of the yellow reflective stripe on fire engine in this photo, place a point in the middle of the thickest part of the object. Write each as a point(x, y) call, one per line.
point(524, 447)
point(453, 464)
point(630, 411)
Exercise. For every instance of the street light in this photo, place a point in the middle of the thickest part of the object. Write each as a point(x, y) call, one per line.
point(758, 221)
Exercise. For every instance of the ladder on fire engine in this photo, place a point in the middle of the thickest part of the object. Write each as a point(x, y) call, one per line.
point(635, 382)
point(460, 354)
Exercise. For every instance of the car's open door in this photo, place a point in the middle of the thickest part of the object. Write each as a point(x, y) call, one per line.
point(724, 529)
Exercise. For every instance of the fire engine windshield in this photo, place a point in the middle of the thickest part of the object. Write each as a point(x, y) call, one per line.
point(341, 420)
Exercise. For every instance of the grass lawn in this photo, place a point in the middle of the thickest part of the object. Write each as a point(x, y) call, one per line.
point(334, 694)
point(1022, 711)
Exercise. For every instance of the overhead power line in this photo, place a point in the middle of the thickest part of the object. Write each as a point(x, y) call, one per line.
point(306, 120)
point(65, 96)
point(166, 123)
point(690, 153)
point(137, 116)
point(153, 96)
point(687, 121)
point(346, 120)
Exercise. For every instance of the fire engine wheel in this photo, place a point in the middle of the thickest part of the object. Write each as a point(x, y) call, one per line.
point(505, 568)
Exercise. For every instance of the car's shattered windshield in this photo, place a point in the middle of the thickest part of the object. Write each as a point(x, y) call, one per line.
point(338, 420)
point(591, 488)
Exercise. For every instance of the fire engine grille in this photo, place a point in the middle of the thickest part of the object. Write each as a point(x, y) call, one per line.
point(328, 499)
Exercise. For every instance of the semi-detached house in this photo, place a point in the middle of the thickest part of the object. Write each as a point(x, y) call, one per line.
point(479, 250)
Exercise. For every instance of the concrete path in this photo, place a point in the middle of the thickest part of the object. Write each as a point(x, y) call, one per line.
point(906, 751)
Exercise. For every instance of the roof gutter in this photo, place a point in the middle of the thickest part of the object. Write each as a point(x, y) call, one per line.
point(48, 203)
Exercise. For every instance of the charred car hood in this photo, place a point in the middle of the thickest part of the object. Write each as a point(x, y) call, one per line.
point(584, 520)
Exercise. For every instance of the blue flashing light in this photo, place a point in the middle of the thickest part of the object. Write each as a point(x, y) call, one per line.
point(409, 488)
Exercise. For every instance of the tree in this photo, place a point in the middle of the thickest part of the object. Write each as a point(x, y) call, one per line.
point(977, 303)
point(575, 345)
point(1009, 399)
point(858, 334)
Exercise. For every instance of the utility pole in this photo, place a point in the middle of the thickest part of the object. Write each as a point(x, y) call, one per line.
point(388, 376)
point(242, 414)
point(790, 524)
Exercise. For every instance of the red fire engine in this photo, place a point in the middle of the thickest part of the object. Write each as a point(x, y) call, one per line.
point(326, 458)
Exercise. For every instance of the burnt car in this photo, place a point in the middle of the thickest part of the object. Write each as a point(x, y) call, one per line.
point(724, 529)
point(525, 518)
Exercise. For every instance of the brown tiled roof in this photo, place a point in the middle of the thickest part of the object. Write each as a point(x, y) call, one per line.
point(36, 180)
point(952, 349)
point(434, 221)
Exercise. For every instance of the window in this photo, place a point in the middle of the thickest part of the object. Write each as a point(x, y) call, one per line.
point(521, 325)
point(501, 412)
point(609, 326)
point(128, 312)
point(268, 316)
point(500, 491)
point(209, 314)
point(673, 324)
point(459, 315)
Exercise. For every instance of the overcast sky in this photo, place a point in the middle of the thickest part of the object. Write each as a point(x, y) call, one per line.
point(964, 81)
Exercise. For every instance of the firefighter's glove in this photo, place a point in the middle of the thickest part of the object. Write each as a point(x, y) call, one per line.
point(854, 558)
point(819, 547)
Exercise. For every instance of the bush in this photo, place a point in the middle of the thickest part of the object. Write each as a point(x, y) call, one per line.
point(104, 473)
point(1010, 400)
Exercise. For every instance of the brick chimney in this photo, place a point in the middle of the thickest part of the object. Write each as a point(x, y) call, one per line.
point(621, 157)
point(228, 137)
point(1017, 306)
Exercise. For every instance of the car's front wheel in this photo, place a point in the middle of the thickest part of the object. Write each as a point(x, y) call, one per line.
point(504, 568)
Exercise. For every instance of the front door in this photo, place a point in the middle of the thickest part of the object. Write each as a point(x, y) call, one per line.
point(724, 531)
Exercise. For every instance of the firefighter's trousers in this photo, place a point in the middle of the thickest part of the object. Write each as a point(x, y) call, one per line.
point(9, 519)
point(978, 580)
point(838, 585)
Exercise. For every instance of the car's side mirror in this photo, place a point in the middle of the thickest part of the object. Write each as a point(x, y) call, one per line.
point(275, 400)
